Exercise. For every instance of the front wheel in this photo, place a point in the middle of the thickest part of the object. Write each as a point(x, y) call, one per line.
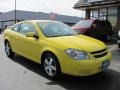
point(8, 49)
point(51, 65)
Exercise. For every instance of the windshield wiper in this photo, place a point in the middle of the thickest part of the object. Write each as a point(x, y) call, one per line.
point(69, 35)
point(63, 35)
point(56, 36)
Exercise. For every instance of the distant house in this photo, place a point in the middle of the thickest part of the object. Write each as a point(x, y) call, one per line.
point(8, 18)
point(101, 9)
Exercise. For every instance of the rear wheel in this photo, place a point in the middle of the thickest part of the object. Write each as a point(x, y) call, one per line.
point(51, 65)
point(8, 49)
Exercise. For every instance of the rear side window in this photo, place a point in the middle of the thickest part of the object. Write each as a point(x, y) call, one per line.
point(27, 27)
point(16, 28)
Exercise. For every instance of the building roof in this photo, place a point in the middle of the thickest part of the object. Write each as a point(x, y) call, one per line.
point(28, 15)
point(89, 4)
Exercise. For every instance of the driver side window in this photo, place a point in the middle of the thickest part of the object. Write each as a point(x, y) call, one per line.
point(16, 28)
point(27, 27)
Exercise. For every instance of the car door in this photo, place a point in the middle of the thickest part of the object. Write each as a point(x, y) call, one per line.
point(28, 46)
point(14, 37)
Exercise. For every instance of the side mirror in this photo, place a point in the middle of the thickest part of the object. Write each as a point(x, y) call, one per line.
point(32, 34)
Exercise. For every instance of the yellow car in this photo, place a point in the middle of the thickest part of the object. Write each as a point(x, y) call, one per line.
point(57, 48)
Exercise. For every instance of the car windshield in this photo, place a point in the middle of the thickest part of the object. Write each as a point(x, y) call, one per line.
point(84, 23)
point(56, 29)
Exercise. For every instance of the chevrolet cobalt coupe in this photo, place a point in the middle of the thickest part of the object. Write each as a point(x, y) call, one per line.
point(57, 48)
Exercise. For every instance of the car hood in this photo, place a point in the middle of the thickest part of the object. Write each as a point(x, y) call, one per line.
point(81, 42)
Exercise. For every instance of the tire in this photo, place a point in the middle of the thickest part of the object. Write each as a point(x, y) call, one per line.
point(8, 49)
point(51, 65)
point(108, 37)
point(119, 45)
point(105, 38)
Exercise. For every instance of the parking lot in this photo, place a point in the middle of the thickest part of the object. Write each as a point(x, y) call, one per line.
point(19, 73)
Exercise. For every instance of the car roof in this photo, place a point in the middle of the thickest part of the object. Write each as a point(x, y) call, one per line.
point(39, 21)
point(34, 21)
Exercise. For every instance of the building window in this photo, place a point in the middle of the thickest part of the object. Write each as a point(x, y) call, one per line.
point(112, 16)
point(99, 14)
point(113, 20)
point(94, 14)
point(102, 13)
point(112, 11)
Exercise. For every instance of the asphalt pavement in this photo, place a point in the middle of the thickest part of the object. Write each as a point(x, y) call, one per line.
point(19, 73)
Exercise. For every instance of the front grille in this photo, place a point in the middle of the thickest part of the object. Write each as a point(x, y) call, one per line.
point(100, 53)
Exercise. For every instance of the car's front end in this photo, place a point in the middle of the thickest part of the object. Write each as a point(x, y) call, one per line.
point(82, 55)
point(97, 62)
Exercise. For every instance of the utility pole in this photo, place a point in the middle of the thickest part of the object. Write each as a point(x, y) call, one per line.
point(15, 12)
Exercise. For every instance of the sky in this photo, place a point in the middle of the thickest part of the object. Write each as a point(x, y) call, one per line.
point(64, 7)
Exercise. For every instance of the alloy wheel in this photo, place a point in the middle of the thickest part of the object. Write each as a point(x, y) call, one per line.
point(50, 66)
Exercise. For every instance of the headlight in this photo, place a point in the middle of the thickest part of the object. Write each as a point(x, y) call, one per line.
point(77, 54)
point(119, 34)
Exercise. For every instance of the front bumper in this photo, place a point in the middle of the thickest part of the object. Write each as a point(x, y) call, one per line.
point(85, 67)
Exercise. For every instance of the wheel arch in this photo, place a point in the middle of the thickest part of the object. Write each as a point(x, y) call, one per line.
point(46, 52)
point(53, 53)
point(6, 40)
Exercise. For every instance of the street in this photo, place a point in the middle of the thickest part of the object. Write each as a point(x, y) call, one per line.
point(19, 73)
